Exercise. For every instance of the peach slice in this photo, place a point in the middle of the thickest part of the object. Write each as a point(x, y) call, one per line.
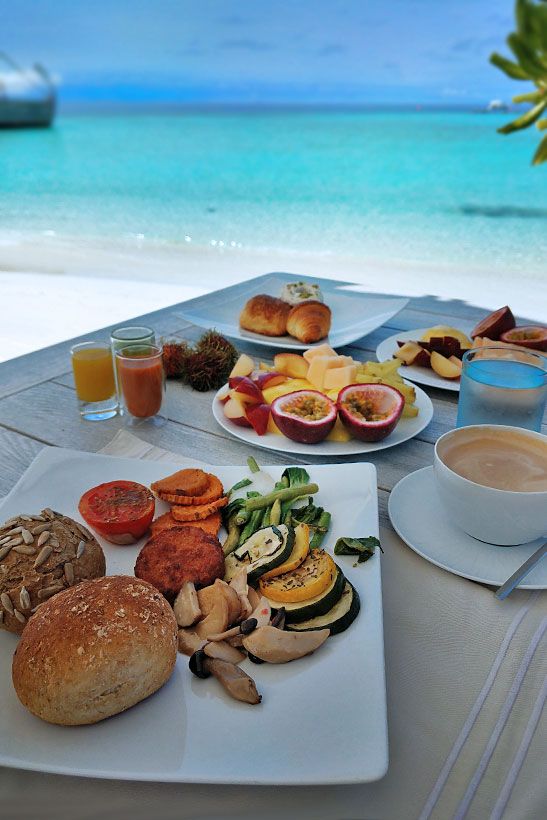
point(291, 364)
point(457, 362)
point(243, 367)
point(444, 367)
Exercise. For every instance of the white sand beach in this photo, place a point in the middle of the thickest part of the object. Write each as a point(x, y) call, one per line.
point(64, 289)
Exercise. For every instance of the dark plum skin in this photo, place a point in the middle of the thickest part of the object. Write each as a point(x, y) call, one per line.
point(370, 431)
point(298, 429)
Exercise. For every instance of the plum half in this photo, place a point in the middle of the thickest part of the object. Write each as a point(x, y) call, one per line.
point(306, 416)
point(531, 336)
point(370, 411)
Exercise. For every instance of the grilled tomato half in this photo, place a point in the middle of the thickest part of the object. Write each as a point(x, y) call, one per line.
point(120, 511)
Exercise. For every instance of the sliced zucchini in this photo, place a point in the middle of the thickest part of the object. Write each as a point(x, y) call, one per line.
point(265, 549)
point(231, 566)
point(312, 577)
point(303, 610)
point(298, 555)
point(337, 619)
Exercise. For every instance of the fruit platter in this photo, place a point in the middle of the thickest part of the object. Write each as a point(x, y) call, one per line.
point(320, 403)
point(433, 355)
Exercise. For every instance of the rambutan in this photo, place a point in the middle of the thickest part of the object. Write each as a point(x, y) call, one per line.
point(175, 356)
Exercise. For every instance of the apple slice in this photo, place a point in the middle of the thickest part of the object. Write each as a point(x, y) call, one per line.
point(263, 380)
point(258, 415)
point(235, 411)
point(291, 364)
point(243, 367)
point(224, 393)
point(444, 367)
point(247, 391)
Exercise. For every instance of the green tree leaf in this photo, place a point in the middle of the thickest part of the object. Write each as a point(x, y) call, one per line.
point(525, 120)
point(541, 153)
point(512, 70)
point(526, 57)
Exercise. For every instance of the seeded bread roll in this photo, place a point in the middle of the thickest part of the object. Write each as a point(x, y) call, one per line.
point(40, 555)
point(95, 650)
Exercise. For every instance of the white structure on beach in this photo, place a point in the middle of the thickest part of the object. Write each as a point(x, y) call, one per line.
point(27, 96)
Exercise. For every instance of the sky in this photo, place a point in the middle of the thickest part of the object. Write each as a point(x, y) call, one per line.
point(264, 51)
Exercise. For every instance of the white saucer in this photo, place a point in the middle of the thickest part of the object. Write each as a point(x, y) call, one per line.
point(417, 516)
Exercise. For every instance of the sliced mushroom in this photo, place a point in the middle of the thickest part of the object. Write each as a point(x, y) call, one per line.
point(186, 607)
point(234, 680)
point(208, 596)
point(239, 582)
point(254, 597)
point(216, 621)
point(277, 646)
point(262, 612)
point(246, 608)
point(189, 641)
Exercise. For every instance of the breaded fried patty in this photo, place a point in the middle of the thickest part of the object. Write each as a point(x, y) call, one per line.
point(177, 555)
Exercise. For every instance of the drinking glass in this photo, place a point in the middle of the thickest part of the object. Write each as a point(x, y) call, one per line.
point(94, 380)
point(503, 386)
point(142, 384)
point(124, 336)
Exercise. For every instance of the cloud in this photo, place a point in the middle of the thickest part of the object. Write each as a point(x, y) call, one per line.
point(243, 44)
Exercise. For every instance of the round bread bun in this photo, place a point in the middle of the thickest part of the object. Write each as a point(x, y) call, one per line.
point(95, 650)
point(58, 553)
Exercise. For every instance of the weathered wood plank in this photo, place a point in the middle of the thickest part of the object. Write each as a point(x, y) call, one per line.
point(16, 453)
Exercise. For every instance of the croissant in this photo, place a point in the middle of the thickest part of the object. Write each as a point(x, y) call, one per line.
point(265, 314)
point(309, 322)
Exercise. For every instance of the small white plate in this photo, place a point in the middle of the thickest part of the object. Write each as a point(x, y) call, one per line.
point(311, 727)
point(421, 375)
point(354, 311)
point(406, 429)
point(418, 518)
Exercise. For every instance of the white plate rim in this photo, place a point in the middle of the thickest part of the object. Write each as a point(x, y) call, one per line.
point(400, 530)
point(345, 335)
point(346, 448)
point(54, 453)
point(420, 375)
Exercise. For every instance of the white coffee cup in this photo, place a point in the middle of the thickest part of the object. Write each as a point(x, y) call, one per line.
point(501, 517)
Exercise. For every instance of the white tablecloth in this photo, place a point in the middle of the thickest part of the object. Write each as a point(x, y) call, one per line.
point(466, 681)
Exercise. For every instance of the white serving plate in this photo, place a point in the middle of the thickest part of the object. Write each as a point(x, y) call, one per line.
point(354, 311)
point(406, 429)
point(312, 726)
point(421, 375)
point(418, 517)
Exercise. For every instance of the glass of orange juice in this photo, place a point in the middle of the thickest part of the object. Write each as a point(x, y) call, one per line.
point(142, 383)
point(94, 380)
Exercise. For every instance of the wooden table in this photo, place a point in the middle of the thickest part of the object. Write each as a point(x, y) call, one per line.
point(38, 403)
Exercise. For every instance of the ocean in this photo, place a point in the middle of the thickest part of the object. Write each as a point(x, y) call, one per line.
point(421, 187)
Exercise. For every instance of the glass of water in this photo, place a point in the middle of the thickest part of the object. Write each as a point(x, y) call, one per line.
point(501, 385)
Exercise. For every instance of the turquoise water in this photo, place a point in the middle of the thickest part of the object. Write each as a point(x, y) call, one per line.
point(502, 392)
point(419, 187)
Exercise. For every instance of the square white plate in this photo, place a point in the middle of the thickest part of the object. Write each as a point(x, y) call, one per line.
point(354, 312)
point(322, 719)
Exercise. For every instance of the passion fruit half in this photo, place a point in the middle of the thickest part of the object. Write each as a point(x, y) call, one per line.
point(531, 336)
point(495, 324)
point(306, 415)
point(370, 411)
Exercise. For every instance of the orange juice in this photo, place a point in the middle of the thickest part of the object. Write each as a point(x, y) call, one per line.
point(93, 373)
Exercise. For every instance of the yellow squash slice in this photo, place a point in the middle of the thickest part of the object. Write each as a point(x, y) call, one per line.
point(314, 575)
point(298, 555)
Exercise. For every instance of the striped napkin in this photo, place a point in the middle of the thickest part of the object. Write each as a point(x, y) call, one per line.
point(466, 683)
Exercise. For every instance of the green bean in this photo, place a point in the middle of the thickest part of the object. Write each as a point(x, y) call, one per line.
point(287, 494)
point(232, 539)
point(275, 512)
point(266, 521)
point(243, 483)
point(252, 525)
point(253, 466)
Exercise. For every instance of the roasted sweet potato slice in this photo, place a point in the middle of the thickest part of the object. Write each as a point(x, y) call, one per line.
point(190, 482)
point(212, 492)
point(211, 524)
point(196, 512)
